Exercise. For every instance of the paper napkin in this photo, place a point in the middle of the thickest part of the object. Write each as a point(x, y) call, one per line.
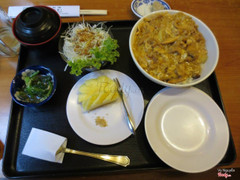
point(44, 145)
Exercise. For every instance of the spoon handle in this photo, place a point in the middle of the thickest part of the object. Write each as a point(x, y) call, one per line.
point(116, 159)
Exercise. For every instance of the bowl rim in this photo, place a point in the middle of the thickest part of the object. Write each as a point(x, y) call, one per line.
point(163, 83)
point(34, 67)
point(139, 15)
point(40, 43)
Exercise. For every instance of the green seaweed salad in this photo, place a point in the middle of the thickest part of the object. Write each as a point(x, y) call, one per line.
point(37, 87)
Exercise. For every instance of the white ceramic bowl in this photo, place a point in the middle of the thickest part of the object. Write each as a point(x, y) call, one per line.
point(211, 45)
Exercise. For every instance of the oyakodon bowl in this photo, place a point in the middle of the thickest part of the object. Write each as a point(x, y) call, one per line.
point(36, 25)
point(211, 45)
point(18, 83)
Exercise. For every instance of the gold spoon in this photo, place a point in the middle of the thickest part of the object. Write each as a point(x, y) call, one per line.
point(116, 159)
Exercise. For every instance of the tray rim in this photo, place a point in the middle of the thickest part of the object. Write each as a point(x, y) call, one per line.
point(119, 23)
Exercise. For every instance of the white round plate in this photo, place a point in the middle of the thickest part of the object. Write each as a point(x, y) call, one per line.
point(186, 129)
point(83, 123)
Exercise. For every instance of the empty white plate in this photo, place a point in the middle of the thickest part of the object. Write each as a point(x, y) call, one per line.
point(84, 123)
point(186, 129)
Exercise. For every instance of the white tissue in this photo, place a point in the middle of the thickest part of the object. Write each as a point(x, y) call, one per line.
point(44, 145)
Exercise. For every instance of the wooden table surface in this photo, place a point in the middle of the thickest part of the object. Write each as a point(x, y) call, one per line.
point(223, 18)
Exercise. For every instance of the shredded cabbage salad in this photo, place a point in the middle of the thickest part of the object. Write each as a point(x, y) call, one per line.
point(88, 45)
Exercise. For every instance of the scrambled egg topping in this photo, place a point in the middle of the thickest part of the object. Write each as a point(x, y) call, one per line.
point(169, 47)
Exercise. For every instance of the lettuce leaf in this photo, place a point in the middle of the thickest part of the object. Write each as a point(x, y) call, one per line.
point(108, 52)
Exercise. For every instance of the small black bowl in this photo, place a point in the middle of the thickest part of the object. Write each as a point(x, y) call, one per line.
point(36, 25)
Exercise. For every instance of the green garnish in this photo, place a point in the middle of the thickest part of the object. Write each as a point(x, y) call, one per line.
point(107, 53)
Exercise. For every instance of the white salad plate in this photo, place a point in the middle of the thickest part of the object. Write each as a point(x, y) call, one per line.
point(117, 130)
point(186, 129)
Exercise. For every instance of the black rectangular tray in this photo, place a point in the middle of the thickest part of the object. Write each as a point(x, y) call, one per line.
point(52, 117)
